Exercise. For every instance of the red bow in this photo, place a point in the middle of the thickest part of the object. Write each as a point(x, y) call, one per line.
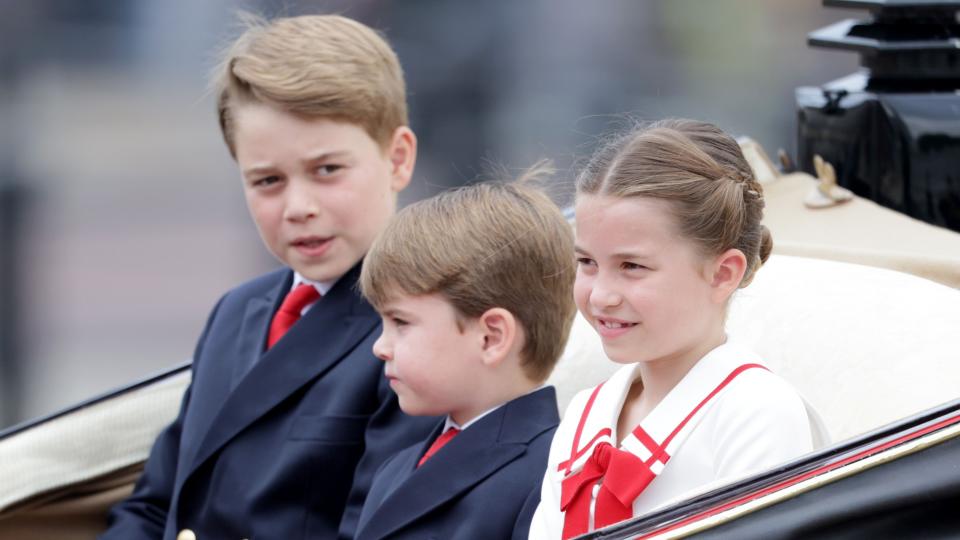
point(624, 476)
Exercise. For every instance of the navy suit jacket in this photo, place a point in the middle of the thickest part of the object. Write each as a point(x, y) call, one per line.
point(273, 444)
point(484, 483)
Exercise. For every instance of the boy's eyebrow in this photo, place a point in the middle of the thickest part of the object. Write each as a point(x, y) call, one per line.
point(389, 311)
point(392, 313)
point(258, 170)
point(323, 156)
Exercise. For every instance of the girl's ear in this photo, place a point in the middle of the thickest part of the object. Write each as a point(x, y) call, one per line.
point(728, 270)
point(402, 153)
point(498, 330)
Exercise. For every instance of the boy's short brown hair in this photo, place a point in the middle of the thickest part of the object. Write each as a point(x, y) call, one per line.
point(315, 65)
point(488, 245)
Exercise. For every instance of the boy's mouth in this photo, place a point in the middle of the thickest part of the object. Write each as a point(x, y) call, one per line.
point(311, 246)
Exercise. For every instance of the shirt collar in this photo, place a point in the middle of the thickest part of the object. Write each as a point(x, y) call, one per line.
point(451, 424)
point(323, 287)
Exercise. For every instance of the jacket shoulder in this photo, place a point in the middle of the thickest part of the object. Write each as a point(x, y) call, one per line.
point(261, 284)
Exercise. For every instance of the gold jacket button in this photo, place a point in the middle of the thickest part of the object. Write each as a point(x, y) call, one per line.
point(186, 534)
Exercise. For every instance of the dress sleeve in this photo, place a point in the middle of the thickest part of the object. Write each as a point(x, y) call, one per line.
point(761, 422)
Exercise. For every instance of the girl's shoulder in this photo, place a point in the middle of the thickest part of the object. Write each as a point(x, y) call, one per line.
point(757, 395)
point(761, 402)
point(758, 389)
point(761, 387)
point(759, 421)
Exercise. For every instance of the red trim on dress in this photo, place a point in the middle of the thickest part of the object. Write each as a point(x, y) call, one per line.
point(802, 477)
point(622, 476)
point(575, 453)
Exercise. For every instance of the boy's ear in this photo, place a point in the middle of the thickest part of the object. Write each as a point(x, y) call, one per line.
point(402, 153)
point(498, 330)
point(728, 270)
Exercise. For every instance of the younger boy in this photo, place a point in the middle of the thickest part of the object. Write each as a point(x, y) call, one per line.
point(475, 291)
point(288, 415)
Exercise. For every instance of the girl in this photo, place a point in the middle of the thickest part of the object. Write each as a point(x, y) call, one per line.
point(668, 228)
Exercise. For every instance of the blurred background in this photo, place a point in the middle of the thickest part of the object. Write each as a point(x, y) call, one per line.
point(121, 215)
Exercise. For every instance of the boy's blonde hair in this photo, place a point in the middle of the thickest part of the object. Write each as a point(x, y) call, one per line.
point(489, 245)
point(317, 66)
point(701, 171)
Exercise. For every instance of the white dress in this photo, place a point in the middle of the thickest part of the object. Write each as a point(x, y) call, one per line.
point(728, 417)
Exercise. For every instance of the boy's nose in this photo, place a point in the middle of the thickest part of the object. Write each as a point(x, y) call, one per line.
point(380, 349)
point(300, 204)
point(300, 211)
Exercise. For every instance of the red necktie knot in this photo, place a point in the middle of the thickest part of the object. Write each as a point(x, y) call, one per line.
point(300, 297)
point(442, 440)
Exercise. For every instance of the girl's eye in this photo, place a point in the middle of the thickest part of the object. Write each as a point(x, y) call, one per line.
point(583, 261)
point(634, 266)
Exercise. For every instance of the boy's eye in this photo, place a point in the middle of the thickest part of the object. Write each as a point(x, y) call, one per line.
point(634, 266)
point(266, 181)
point(584, 261)
point(393, 320)
point(328, 169)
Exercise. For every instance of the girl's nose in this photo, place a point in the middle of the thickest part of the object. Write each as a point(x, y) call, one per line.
point(603, 296)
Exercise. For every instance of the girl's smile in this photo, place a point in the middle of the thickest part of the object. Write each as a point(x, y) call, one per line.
point(640, 284)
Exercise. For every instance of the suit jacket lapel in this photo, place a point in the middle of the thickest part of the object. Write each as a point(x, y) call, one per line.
point(327, 333)
point(253, 332)
point(473, 455)
point(407, 463)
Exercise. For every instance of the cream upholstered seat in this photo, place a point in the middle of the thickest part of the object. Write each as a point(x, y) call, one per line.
point(865, 345)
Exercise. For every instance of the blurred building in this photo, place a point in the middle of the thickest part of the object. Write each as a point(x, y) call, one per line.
point(126, 221)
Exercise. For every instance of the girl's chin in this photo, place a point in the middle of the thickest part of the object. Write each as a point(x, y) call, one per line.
point(619, 356)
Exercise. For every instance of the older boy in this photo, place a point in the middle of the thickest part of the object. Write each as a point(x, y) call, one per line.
point(474, 288)
point(288, 415)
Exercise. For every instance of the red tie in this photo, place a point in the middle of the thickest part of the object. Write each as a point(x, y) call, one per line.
point(438, 444)
point(297, 299)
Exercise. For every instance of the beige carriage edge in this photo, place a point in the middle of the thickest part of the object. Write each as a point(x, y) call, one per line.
point(857, 231)
point(58, 479)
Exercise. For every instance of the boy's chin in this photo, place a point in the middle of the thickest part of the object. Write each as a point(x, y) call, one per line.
point(322, 272)
point(415, 411)
point(418, 409)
